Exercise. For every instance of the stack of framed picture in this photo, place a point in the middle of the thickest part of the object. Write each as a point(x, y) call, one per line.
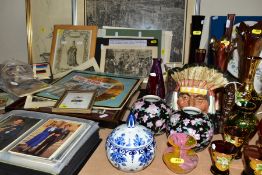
point(40, 143)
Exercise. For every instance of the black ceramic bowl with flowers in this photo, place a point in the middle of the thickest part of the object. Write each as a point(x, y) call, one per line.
point(152, 112)
point(190, 120)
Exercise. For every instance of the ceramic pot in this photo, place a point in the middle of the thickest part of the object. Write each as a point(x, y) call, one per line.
point(190, 120)
point(152, 112)
point(180, 157)
point(252, 160)
point(130, 147)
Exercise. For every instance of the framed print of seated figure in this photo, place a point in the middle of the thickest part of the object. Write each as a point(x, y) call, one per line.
point(195, 85)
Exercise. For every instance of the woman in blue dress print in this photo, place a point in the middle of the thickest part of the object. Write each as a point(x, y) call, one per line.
point(32, 143)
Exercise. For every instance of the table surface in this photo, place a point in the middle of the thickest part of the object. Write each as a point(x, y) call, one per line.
point(98, 163)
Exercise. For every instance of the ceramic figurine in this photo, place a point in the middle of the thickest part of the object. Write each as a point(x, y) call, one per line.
point(152, 112)
point(195, 86)
point(180, 157)
point(192, 121)
point(130, 147)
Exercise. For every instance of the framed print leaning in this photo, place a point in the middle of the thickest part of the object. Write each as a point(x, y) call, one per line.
point(127, 60)
point(41, 16)
point(112, 91)
point(168, 15)
point(71, 46)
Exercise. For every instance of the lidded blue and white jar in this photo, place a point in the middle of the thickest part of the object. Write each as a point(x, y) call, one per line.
point(130, 147)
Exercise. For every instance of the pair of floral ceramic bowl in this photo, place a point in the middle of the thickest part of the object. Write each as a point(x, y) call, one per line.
point(152, 112)
point(131, 147)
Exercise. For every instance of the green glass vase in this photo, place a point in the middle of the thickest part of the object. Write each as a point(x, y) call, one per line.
point(244, 118)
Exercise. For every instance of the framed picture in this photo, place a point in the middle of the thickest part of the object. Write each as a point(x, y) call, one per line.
point(41, 16)
point(47, 139)
point(71, 46)
point(127, 60)
point(34, 102)
point(13, 127)
point(112, 91)
point(50, 144)
point(73, 101)
point(169, 15)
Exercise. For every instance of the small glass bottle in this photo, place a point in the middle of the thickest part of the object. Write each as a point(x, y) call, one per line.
point(156, 83)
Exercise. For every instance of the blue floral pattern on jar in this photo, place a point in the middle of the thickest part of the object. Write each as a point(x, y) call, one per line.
point(130, 149)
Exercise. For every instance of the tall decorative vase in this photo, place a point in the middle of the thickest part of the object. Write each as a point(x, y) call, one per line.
point(249, 43)
point(157, 86)
point(247, 92)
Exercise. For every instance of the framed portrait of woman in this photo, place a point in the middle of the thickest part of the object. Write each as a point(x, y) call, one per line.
point(71, 47)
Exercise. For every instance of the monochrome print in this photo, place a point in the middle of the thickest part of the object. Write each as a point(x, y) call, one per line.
point(141, 14)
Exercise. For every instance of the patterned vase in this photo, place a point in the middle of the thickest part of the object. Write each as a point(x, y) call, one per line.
point(247, 92)
point(244, 118)
point(180, 157)
point(130, 147)
point(152, 112)
point(190, 120)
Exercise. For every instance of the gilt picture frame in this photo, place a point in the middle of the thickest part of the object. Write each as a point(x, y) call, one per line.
point(71, 47)
point(41, 16)
point(75, 101)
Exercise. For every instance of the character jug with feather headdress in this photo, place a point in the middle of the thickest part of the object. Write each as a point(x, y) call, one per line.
point(193, 102)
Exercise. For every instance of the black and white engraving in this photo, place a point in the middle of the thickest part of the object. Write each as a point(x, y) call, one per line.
point(128, 61)
point(142, 14)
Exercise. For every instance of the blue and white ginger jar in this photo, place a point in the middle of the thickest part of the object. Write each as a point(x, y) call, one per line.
point(130, 147)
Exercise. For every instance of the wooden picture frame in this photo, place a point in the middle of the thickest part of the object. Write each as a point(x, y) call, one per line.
point(41, 16)
point(71, 46)
point(75, 101)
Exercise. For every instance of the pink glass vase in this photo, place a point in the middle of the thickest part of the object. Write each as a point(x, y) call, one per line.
point(180, 157)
